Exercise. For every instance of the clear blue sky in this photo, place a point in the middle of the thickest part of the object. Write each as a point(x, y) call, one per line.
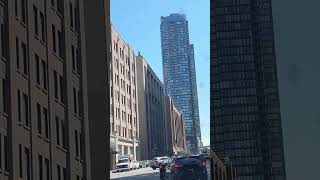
point(138, 22)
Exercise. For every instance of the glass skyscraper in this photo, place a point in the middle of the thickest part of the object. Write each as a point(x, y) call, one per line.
point(245, 108)
point(180, 75)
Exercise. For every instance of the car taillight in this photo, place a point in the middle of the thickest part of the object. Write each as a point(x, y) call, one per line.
point(177, 165)
point(203, 164)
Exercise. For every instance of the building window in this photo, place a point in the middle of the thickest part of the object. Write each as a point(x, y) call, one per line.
point(54, 40)
point(6, 154)
point(2, 44)
point(19, 105)
point(71, 16)
point(24, 11)
point(61, 89)
point(58, 172)
point(55, 78)
point(77, 143)
point(17, 53)
point(20, 161)
point(24, 58)
point(37, 68)
point(60, 44)
point(64, 131)
point(47, 164)
point(43, 27)
point(27, 155)
point(26, 109)
point(39, 118)
point(64, 174)
point(46, 122)
point(53, 3)
point(40, 167)
point(35, 16)
point(73, 58)
point(16, 8)
point(44, 69)
point(58, 130)
point(75, 110)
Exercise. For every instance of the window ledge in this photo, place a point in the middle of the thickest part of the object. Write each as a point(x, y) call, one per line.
point(26, 127)
point(64, 150)
point(23, 24)
point(59, 13)
point(45, 91)
point(25, 76)
point(47, 139)
point(3, 59)
point(60, 58)
point(38, 86)
point(6, 173)
point(43, 43)
point(61, 104)
point(36, 36)
point(5, 114)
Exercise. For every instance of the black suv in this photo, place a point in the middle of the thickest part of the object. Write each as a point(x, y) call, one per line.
point(184, 168)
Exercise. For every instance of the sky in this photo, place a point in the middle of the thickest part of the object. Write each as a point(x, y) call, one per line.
point(138, 23)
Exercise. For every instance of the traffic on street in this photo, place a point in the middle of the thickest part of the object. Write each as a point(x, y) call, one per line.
point(187, 167)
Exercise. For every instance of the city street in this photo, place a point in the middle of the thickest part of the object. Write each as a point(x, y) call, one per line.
point(139, 174)
point(143, 174)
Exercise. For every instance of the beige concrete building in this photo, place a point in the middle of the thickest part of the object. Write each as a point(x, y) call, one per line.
point(124, 122)
point(151, 112)
point(44, 126)
point(221, 170)
point(175, 129)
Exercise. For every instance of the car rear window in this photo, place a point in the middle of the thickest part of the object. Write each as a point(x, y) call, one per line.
point(189, 160)
point(123, 160)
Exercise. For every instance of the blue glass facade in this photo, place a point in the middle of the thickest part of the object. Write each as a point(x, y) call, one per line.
point(179, 73)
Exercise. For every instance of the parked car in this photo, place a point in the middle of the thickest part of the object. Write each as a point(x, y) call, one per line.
point(124, 164)
point(147, 163)
point(135, 165)
point(164, 169)
point(142, 164)
point(156, 162)
point(184, 167)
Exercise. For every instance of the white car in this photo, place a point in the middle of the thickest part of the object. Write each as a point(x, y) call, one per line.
point(124, 165)
point(135, 165)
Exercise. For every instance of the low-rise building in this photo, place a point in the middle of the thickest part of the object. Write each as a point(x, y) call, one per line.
point(175, 129)
point(221, 169)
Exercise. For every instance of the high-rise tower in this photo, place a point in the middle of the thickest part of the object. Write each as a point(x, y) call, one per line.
point(180, 75)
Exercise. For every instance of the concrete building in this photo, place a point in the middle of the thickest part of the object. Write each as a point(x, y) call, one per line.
point(124, 122)
point(175, 129)
point(44, 123)
point(151, 112)
point(179, 74)
point(98, 60)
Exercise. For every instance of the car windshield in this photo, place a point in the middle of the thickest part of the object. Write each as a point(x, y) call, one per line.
point(123, 160)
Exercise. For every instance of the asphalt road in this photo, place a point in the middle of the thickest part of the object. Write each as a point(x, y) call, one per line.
point(139, 174)
point(143, 174)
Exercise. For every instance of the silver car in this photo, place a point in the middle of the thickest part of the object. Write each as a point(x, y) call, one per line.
point(155, 163)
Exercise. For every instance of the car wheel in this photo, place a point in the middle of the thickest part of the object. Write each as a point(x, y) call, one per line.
point(154, 168)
